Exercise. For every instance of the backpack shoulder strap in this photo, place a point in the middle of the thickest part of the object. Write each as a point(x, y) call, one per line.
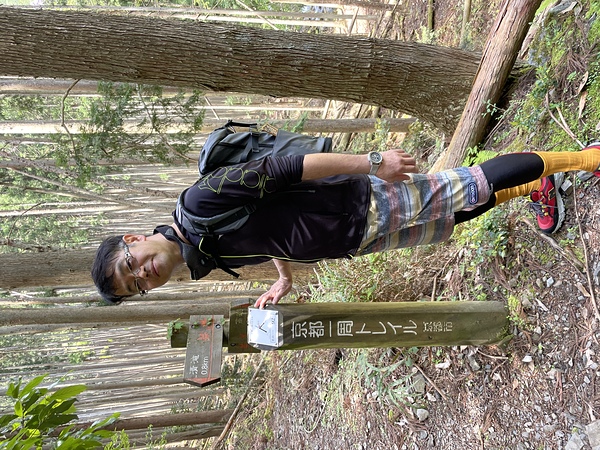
point(208, 230)
point(199, 264)
point(231, 123)
point(208, 245)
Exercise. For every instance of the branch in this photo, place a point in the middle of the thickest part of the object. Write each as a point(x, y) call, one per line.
point(62, 115)
point(8, 242)
point(562, 123)
point(158, 132)
point(81, 193)
point(267, 21)
point(220, 439)
point(585, 254)
point(23, 162)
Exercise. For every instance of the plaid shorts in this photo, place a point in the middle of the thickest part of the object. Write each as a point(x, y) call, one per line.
point(421, 210)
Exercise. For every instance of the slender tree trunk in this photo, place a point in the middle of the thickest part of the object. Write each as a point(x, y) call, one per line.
point(425, 81)
point(337, 3)
point(465, 22)
point(123, 313)
point(397, 125)
point(53, 87)
point(169, 420)
point(499, 56)
point(197, 296)
point(72, 268)
point(193, 13)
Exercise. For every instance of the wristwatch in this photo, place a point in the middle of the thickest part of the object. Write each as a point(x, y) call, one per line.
point(375, 159)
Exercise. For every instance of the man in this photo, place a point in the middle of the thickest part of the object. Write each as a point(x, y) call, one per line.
point(330, 205)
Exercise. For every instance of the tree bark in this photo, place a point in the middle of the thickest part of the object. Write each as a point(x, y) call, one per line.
point(169, 420)
point(337, 3)
point(499, 55)
point(122, 313)
point(197, 296)
point(397, 125)
point(424, 81)
point(72, 268)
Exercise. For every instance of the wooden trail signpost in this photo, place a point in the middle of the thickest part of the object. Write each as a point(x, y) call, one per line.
point(334, 325)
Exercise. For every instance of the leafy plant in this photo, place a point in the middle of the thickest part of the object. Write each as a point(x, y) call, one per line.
point(41, 418)
point(515, 313)
point(384, 380)
point(174, 326)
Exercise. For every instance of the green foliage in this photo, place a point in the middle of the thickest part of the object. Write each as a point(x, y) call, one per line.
point(484, 237)
point(153, 443)
point(475, 156)
point(119, 441)
point(108, 134)
point(40, 417)
point(384, 378)
point(22, 107)
point(427, 36)
point(126, 121)
point(359, 381)
point(515, 313)
point(21, 350)
point(366, 142)
point(173, 327)
point(48, 231)
point(566, 65)
point(483, 240)
point(234, 100)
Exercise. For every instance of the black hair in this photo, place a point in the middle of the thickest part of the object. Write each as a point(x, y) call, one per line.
point(103, 269)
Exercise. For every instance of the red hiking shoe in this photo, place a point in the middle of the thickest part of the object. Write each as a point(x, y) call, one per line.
point(547, 204)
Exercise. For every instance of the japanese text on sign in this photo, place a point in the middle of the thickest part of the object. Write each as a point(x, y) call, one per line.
point(349, 328)
point(197, 367)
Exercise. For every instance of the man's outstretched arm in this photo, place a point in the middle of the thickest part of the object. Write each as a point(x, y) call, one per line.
point(396, 164)
point(394, 167)
point(281, 287)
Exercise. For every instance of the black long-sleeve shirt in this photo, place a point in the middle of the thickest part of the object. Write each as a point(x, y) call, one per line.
point(295, 220)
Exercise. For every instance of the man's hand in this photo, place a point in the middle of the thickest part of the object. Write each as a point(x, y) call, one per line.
point(281, 287)
point(395, 165)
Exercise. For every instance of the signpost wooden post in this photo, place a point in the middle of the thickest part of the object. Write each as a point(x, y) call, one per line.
point(335, 325)
point(402, 324)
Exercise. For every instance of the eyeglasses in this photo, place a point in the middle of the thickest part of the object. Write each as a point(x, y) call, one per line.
point(134, 267)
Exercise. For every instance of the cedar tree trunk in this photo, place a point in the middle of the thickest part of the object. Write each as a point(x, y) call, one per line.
point(72, 268)
point(428, 82)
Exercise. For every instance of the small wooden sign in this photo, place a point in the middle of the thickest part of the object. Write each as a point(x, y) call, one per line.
point(204, 350)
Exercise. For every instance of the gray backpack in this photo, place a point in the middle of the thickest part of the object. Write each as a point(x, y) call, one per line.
point(225, 147)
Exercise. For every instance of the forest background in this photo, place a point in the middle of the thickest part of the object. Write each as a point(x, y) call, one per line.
point(117, 155)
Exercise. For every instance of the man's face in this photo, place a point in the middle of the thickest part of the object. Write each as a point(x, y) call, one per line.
point(152, 262)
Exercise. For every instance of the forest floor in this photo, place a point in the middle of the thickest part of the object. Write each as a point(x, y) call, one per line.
point(541, 390)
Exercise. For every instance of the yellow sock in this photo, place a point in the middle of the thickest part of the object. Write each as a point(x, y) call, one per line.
point(588, 160)
point(517, 191)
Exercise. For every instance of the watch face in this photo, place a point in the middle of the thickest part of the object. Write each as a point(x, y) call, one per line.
point(263, 329)
point(375, 157)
